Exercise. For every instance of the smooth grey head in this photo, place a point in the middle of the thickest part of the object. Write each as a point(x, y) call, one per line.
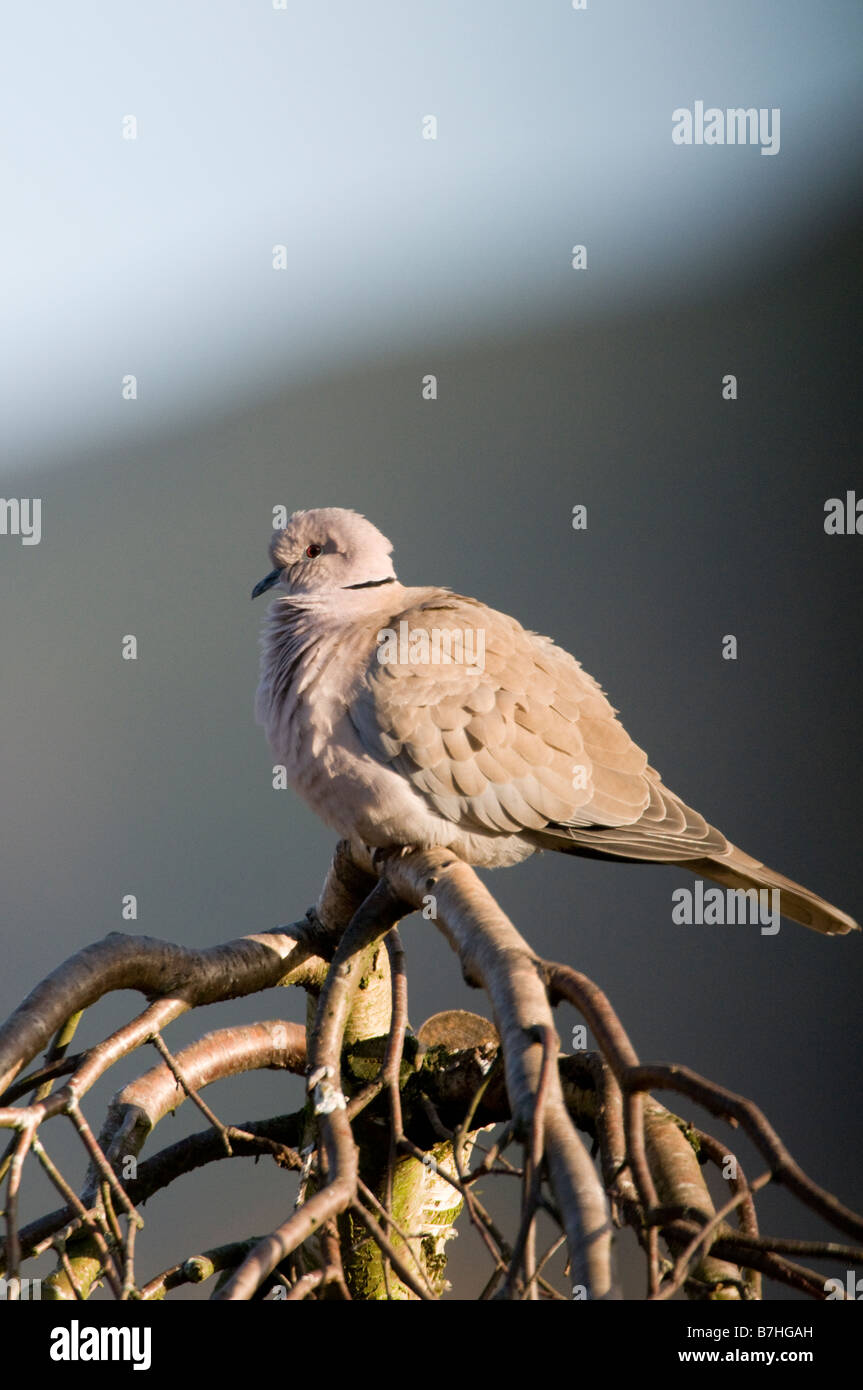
point(325, 550)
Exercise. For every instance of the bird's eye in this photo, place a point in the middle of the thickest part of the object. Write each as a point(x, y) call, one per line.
point(313, 551)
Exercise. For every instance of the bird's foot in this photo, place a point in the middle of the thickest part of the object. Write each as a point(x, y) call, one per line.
point(384, 854)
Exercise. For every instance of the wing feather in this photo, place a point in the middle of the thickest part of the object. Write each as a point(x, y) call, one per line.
point(521, 741)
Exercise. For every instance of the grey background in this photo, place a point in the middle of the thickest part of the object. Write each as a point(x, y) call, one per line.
point(705, 518)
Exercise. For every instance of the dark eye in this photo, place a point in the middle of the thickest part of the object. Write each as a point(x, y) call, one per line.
point(313, 551)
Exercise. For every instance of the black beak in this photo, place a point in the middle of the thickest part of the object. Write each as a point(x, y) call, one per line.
point(264, 584)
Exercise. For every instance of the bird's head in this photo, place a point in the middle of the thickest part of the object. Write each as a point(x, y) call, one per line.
point(327, 549)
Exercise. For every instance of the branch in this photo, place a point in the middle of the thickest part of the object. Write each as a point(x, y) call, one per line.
point(177, 975)
point(496, 957)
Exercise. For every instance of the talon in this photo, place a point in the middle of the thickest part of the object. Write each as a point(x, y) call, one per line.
point(382, 854)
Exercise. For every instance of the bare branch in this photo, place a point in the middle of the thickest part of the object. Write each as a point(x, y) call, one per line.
point(288, 955)
point(494, 955)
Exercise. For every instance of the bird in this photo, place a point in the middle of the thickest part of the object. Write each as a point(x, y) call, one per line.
point(414, 718)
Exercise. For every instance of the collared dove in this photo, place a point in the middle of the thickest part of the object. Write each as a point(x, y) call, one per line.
point(417, 717)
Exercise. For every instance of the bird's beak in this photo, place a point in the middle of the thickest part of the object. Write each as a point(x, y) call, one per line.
point(267, 583)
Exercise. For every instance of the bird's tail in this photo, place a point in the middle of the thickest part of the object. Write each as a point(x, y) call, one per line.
point(735, 869)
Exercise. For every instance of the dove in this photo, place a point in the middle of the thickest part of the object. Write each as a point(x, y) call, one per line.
point(414, 718)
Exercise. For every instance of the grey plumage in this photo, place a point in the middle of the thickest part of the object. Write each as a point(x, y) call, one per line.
point(494, 758)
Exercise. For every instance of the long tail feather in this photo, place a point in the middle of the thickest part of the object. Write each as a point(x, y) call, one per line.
point(739, 870)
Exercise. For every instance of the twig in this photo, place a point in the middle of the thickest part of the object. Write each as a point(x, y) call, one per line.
point(679, 1273)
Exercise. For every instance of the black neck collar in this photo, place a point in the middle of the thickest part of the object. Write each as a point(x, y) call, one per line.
point(371, 583)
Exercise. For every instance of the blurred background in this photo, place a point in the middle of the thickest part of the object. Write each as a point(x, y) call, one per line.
point(153, 257)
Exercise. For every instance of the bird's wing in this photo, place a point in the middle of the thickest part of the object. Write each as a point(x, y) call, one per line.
point(521, 740)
